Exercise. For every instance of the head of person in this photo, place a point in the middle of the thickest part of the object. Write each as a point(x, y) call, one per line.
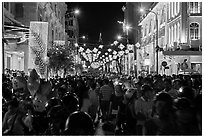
point(79, 123)
point(187, 92)
point(118, 90)
point(177, 84)
point(167, 83)
point(106, 81)
point(70, 102)
point(52, 102)
point(93, 85)
point(163, 104)
point(147, 92)
point(56, 120)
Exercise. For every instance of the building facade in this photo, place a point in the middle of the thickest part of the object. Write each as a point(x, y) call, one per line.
point(16, 22)
point(179, 38)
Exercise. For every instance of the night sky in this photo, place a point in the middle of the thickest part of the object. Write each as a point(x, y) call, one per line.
point(96, 17)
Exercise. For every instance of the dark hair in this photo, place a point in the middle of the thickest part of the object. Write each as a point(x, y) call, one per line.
point(187, 92)
point(106, 81)
point(146, 88)
point(70, 102)
point(79, 121)
point(93, 85)
point(162, 96)
point(182, 103)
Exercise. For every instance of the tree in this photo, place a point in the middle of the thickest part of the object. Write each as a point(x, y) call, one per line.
point(61, 58)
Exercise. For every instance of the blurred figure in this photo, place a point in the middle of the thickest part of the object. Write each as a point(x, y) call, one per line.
point(164, 122)
point(186, 118)
point(12, 121)
point(56, 118)
point(93, 100)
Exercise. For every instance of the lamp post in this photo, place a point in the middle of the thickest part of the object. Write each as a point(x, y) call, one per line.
point(157, 39)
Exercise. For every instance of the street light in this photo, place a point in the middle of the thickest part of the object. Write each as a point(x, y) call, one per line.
point(157, 38)
point(76, 11)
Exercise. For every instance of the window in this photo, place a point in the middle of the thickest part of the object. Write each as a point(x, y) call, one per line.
point(194, 31)
point(174, 8)
point(169, 35)
point(175, 33)
point(194, 7)
point(178, 7)
point(70, 22)
point(169, 10)
point(178, 31)
point(172, 34)
point(163, 16)
point(70, 34)
point(145, 32)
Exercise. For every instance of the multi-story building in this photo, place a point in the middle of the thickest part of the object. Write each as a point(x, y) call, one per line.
point(72, 30)
point(16, 22)
point(179, 37)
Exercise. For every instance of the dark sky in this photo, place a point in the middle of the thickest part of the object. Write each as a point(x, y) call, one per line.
point(96, 17)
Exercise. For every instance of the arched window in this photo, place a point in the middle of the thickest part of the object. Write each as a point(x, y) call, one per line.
point(194, 7)
point(194, 31)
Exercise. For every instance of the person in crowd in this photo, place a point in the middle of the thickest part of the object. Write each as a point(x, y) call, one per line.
point(12, 121)
point(79, 124)
point(94, 101)
point(186, 117)
point(57, 119)
point(164, 119)
point(143, 107)
point(116, 100)
point(187, 92)
point(198, 111)
point(70, 103)
point(106, 92)
point(126, 121)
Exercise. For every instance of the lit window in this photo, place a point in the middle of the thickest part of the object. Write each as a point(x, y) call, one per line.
point(178, 31)
point(194, 7)
point(194, 31)
point(169, 35)
point(174, 8)
point(169, 10)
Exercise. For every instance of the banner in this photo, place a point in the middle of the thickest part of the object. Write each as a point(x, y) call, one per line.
point(38, 41)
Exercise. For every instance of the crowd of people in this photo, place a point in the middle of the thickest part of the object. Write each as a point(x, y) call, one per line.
point(75, 105)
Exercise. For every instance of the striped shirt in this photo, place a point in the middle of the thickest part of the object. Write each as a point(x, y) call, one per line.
point(106, 92)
